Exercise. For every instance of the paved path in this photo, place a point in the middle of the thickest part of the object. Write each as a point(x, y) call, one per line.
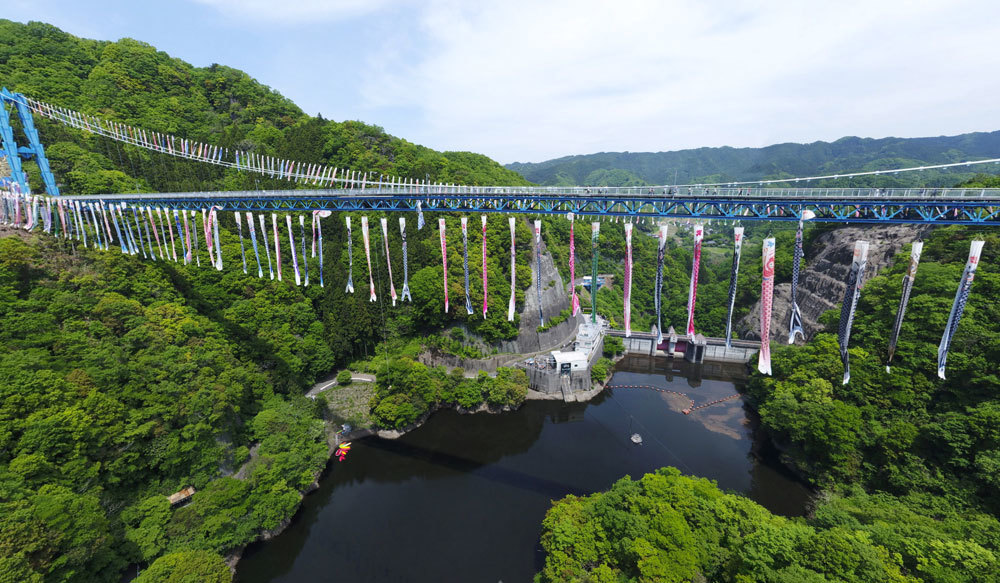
point(330, 381)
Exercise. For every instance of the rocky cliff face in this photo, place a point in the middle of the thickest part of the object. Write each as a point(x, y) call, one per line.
point(555, 299)
point(823, 281)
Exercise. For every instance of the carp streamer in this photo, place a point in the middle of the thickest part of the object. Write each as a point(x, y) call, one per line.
point(851, 295)
point(958, 306)
point(574, 299)
point(766, 299)
point(513, 272)
point(350, 260)
point(628, 280)
point(538, 269)
point(658, 283)
point(368, 257)
point(699, 233)
point(911, 274)
point(465, 263)
point(795, 323)
point(385, 237)
point(733, 275)
point(444, 261)
point(595, 231)
point(405, 295)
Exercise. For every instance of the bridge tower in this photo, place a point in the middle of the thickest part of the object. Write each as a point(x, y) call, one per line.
point(15, 153)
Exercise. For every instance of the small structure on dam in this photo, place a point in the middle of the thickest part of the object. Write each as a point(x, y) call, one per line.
point(568, 371)
point(695, 349)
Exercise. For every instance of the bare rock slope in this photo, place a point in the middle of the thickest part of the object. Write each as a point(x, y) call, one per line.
point(823, 281)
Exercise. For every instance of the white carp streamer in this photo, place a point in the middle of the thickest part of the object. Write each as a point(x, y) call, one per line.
point(385, 237)
point(958, 306)
point(911, 274)
point(350, 259)
point(368, 256)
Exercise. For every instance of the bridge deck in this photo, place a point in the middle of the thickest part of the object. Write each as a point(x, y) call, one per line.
point(857, 205)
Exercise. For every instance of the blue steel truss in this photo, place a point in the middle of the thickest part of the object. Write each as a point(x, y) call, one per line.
point(35, 148)
point(850, 205)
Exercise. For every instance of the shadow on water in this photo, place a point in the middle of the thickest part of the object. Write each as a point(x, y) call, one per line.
point(462, 498)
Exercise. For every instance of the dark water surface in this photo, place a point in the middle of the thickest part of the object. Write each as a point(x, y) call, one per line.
point(462, 498)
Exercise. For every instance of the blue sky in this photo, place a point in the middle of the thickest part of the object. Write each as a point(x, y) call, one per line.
point(523, 80)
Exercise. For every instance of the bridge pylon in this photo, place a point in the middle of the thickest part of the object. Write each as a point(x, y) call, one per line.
point(33, 149)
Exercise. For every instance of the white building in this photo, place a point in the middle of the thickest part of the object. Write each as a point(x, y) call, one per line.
point(570, 361)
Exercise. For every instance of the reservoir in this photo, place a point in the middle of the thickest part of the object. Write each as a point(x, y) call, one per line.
point(462, 498)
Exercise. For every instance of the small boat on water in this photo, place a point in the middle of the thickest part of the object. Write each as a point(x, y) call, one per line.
point(636, 439)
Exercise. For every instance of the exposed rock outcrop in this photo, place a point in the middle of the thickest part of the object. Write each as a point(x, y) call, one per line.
point(555, 299)
point(823, 281)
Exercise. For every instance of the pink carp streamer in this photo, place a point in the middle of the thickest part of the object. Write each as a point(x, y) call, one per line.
point(513, 272)
point(575, 299)
point(368, 256)
point(485, 289)
point(444, 262)
point(628, 280)
point(699, 233)
point(538, 269)
point(766, 299)
point(385, 237)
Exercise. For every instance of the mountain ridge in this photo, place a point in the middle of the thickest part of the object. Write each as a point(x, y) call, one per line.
point(782, 160)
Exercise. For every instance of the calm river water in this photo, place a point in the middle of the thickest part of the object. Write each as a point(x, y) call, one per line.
point(462, 498)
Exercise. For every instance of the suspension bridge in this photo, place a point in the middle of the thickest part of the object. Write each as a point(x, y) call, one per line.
point(350, 190)
point(354, 191)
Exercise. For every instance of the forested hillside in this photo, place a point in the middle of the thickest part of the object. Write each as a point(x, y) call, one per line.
point(124, 379)
point(849, 154)
point(131, 82)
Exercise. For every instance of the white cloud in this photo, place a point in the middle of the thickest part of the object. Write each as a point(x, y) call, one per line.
point(528, 80)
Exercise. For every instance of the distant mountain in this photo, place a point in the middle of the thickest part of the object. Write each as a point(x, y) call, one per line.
point(780, 160)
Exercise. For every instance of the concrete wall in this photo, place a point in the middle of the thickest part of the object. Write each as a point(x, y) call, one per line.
point(734, 354)
point(715, 353)
point(550, 381)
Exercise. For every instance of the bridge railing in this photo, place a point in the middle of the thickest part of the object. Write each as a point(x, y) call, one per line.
point(583, 193)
